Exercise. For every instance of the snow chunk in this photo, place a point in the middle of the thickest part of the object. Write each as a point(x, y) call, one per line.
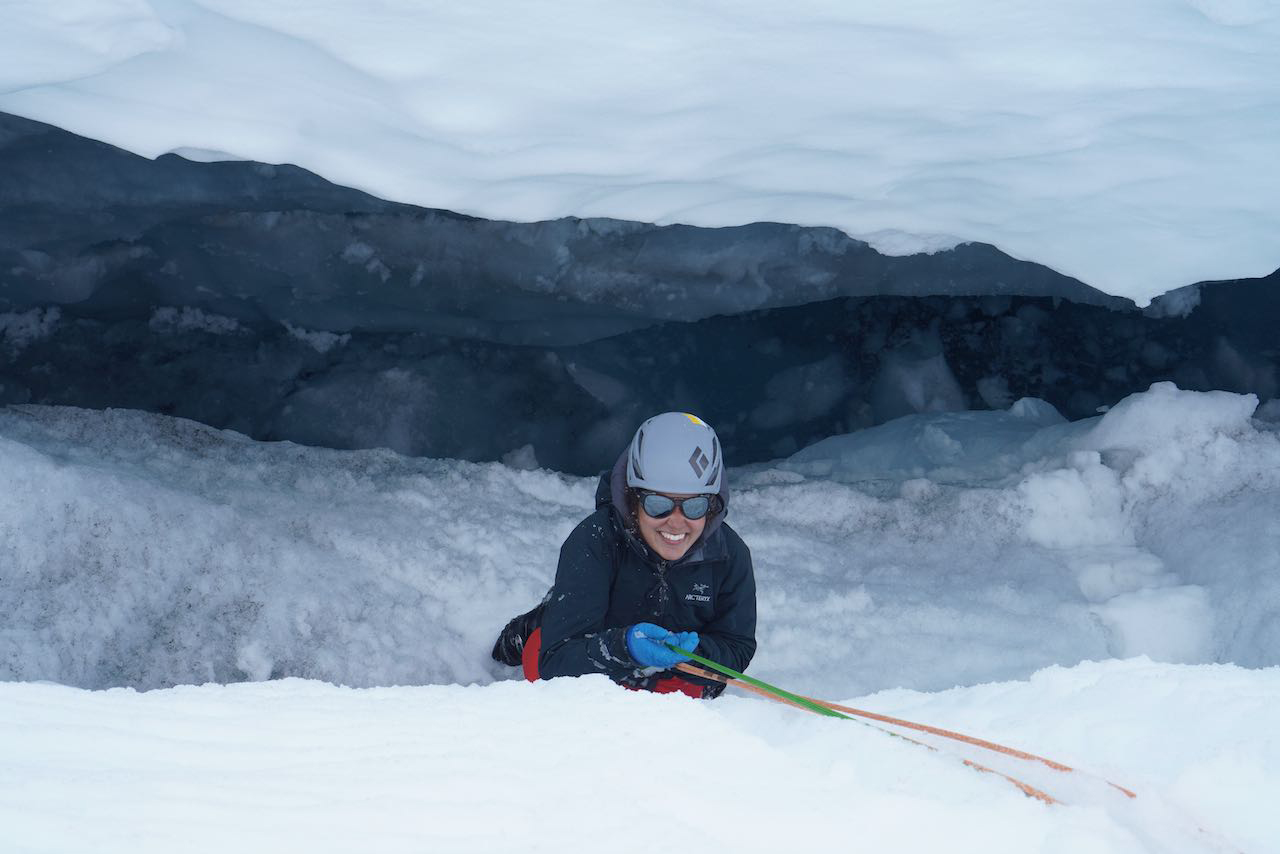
point(1173, 624)
point(363, 255)
point(187, 319)
point(1037, 411)
point(205, 155)
point(254, 661)
point(1074, 507)
point(1165, 414)
point(1107, 573)
point(1178, 302)
point(915, 377)
point(948, 446)
point(522, 458)
point(891, 242)
point(321, 341)
point(18, 330)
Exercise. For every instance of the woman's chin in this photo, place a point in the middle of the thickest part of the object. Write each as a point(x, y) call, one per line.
point(664, 548)
point(673, 551)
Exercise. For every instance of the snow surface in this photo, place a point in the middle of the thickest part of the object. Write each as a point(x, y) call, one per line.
point(578, 765)
point(1128, 145)
point(1107, 592)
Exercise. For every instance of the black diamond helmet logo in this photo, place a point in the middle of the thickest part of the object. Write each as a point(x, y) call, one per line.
point(698, 462)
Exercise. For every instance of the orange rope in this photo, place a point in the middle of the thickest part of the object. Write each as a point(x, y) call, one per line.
point(956, 736)
point(1026, 788)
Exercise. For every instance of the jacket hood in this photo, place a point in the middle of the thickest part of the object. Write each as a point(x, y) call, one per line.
point(612, 492)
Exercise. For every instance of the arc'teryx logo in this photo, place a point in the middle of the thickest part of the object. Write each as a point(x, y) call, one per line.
point(699, 462)
point(699, 594)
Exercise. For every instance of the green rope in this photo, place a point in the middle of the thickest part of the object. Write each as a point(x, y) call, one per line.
point(777, 692)
point(823, 710)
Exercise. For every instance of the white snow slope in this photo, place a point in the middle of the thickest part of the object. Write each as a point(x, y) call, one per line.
point(1106, 592)
point(1131, 145)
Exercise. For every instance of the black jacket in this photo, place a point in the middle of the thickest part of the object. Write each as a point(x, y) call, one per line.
point(608, 579)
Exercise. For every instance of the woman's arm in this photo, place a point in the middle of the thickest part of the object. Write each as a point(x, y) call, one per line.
point(574, 639)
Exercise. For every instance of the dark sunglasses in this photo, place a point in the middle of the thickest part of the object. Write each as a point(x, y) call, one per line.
point(659, 506)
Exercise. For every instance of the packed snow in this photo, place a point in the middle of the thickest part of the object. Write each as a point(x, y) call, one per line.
point(581, 766)
point(1128, 145)
point(1104, 593)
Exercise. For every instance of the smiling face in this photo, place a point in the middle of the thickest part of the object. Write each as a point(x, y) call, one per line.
point(671, 536)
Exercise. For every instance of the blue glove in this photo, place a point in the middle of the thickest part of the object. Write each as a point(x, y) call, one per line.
point(645, 643)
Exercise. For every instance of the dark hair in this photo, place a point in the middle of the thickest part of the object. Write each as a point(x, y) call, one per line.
point(632, 496)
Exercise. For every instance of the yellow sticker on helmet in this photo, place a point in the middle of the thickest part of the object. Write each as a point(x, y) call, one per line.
point(695, 419)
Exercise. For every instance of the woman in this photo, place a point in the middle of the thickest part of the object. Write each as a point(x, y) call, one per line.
point(655, 564)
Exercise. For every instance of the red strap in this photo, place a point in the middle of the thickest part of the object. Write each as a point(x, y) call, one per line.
point(529, 658)
point(666, 685)
point(673, 684)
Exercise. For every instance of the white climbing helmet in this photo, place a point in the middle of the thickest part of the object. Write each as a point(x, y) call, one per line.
point(675, 452)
